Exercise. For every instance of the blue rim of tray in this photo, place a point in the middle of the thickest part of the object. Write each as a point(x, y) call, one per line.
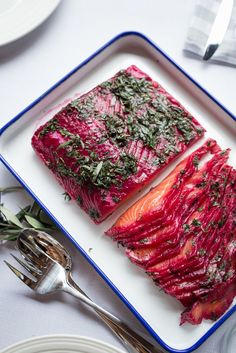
point(101, 273)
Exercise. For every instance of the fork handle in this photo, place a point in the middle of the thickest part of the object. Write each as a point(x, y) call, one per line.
point(134, 342)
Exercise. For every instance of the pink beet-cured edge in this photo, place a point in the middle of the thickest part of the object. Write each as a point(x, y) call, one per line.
point(130, 186)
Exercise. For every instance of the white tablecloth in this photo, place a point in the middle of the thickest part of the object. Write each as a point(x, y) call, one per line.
point(31, 65)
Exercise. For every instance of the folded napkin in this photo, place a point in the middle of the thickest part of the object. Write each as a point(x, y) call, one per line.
point(200, 28)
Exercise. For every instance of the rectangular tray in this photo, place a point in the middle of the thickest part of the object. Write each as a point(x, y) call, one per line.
point(158, 312)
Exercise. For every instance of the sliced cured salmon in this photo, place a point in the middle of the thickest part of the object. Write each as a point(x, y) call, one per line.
point(161, 199)
point(183, 233)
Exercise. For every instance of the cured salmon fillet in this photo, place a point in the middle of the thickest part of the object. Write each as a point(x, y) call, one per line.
point(112, 141)
point(183, 233)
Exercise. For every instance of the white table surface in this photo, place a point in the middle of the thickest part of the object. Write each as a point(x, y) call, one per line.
point(27, 68)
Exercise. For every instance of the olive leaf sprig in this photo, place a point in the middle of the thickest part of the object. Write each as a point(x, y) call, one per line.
point(31, 216)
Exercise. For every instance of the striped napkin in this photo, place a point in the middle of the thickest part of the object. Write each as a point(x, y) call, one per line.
point(200, 28)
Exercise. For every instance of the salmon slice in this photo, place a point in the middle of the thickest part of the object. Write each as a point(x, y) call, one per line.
point(211, 309)
point(158, 199)
point(154, 233)
point(158, 256)
point(190, 245)
point(192, 193)
point(200, 271)
point(205, 240)
point(205, 272)
point(211, 283)
point(166, 242)
point(208, 283)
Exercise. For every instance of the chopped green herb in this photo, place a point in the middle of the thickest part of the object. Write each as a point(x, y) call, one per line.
point(202, 252)
point(214, 316)
point(52, 125)
point(218, 258)
point(221, 222)
point(130, 90)
point(195, 161)
point(66, 196)
point(156, 161)
point(143, 241)
point(64, 144)
point(116, 129)
point(199, 130)
point(186, 227)
point(74, 140)
point(97, 170)
point(213, 224)
point(202, 184)
point(228, 275)
point(115, 199)
point(161, 121)
point(196, 222)
point(103, 195)
point(223, 265)
point(94, 213)
point(80, 200)
point(223, 152)
point(215, 186)
point(84, 107)
point(100, 173)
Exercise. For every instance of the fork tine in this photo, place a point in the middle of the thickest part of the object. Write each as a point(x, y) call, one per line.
point(33, 243)
point(32, 260)
point(29, 256)
point(29, 282)
point(34, 255)
point(29, 267)
point(31, 248)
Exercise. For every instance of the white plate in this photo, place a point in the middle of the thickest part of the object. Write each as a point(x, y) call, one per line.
point(19, 17)
point(159, 312)
point(61, 344)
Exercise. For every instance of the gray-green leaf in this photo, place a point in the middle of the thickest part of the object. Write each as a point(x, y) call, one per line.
point(22, 212)
point(45, 218)
point(10, 217)
point(35, 208)
point(34, 222)
point(98, 169)
point(10, 189)
point(10, 231)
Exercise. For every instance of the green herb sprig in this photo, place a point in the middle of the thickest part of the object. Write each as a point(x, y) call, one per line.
point(31, 216)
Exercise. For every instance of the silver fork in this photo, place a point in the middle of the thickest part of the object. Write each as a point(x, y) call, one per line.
point(50, 277)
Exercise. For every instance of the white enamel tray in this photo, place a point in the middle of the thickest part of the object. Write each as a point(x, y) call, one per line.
point(63, 344)
point(158, 312)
